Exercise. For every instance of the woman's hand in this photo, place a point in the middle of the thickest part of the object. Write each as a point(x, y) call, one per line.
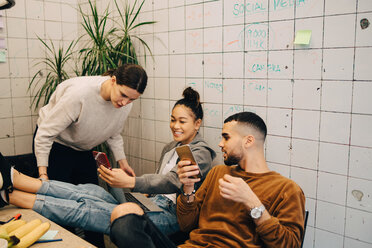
point(44, 177)
point(116, 178)
point(185, 171)
point(125, 167)
point(43, 173)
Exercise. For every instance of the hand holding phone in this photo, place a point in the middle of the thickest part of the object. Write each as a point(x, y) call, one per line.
point(184, 153)
point(101, 159)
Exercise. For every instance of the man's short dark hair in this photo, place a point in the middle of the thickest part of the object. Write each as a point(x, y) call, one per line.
point(249, 119)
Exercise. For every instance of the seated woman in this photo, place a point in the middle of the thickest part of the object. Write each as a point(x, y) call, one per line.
point(89, 206)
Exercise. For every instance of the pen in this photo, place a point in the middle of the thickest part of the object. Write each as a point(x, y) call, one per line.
point(48, 240)
point(15, 217)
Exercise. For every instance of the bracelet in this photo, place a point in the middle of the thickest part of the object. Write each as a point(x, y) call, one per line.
point(188, 195)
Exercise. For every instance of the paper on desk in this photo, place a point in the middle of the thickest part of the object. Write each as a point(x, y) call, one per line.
point(49, 235)
point(302, 37)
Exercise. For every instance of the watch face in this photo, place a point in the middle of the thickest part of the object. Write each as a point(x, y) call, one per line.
point(256, 213)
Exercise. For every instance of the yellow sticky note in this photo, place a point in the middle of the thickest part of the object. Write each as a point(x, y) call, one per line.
point(302, 37)
point(2, 56)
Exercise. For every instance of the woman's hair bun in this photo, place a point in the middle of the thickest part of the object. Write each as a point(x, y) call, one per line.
point(191, 95)
point(191, 99)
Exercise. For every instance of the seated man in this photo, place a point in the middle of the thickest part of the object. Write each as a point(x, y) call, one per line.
point(240, 204)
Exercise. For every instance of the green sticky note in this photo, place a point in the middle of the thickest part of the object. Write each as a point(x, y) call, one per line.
point(302, 37)
point(2, 56)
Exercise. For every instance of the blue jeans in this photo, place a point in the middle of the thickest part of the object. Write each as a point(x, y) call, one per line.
point(87, 206)
point(165, 221)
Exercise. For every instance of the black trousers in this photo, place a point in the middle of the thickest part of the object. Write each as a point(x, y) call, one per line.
point(69, 165)
point(133, 231)
point(76, 167)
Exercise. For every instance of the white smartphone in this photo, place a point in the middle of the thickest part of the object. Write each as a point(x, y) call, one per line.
point(184, 153)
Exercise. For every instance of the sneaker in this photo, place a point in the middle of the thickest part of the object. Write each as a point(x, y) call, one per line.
point(5, 175)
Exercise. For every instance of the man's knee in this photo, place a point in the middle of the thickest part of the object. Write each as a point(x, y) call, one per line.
point(125, 209)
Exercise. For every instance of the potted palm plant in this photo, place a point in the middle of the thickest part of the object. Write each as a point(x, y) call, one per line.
point(109, 47)
point(104, 47)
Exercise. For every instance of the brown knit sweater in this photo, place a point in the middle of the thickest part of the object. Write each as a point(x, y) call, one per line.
point(218, 222)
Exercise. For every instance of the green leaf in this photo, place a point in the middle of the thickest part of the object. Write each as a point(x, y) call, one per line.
point(54, 62)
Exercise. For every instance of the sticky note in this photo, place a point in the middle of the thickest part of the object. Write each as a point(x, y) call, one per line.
point(49, 235)
point(2, 43)
point(2, 56)
point(302, 37)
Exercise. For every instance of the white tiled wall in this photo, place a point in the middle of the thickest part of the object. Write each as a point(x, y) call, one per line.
point(315, 99)
point(28, 19)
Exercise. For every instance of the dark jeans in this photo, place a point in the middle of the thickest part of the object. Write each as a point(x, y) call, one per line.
point(134, 230)
point(76, 167)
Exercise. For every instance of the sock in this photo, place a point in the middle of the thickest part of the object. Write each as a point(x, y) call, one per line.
point(11, 174)
point(2, 195)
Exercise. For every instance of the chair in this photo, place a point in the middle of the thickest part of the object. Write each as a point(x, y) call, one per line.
point(306, 217)
point(180, 237)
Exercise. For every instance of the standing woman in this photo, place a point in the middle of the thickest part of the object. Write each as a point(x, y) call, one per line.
point(82, 113)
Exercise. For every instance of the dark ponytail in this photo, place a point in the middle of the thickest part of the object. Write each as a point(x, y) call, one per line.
point(191, 99)
point(109, 72)
point(131, 75)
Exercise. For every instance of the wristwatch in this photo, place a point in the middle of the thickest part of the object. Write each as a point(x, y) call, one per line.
point(256, 212)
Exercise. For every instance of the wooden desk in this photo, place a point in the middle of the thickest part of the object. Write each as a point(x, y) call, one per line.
point(69, 240)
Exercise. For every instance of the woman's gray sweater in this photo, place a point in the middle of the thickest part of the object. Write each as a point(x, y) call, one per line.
point(169, 183)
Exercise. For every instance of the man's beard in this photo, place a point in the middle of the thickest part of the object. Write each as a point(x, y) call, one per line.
point(232, 159)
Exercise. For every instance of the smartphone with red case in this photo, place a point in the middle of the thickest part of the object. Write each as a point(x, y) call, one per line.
point(101, 159)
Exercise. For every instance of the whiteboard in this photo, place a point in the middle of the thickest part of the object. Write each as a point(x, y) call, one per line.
point(315, 98)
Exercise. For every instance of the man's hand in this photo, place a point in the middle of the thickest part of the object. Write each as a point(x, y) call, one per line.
point(185, 171)
point(125, 167)
point(116, 178)
point(235, 189)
